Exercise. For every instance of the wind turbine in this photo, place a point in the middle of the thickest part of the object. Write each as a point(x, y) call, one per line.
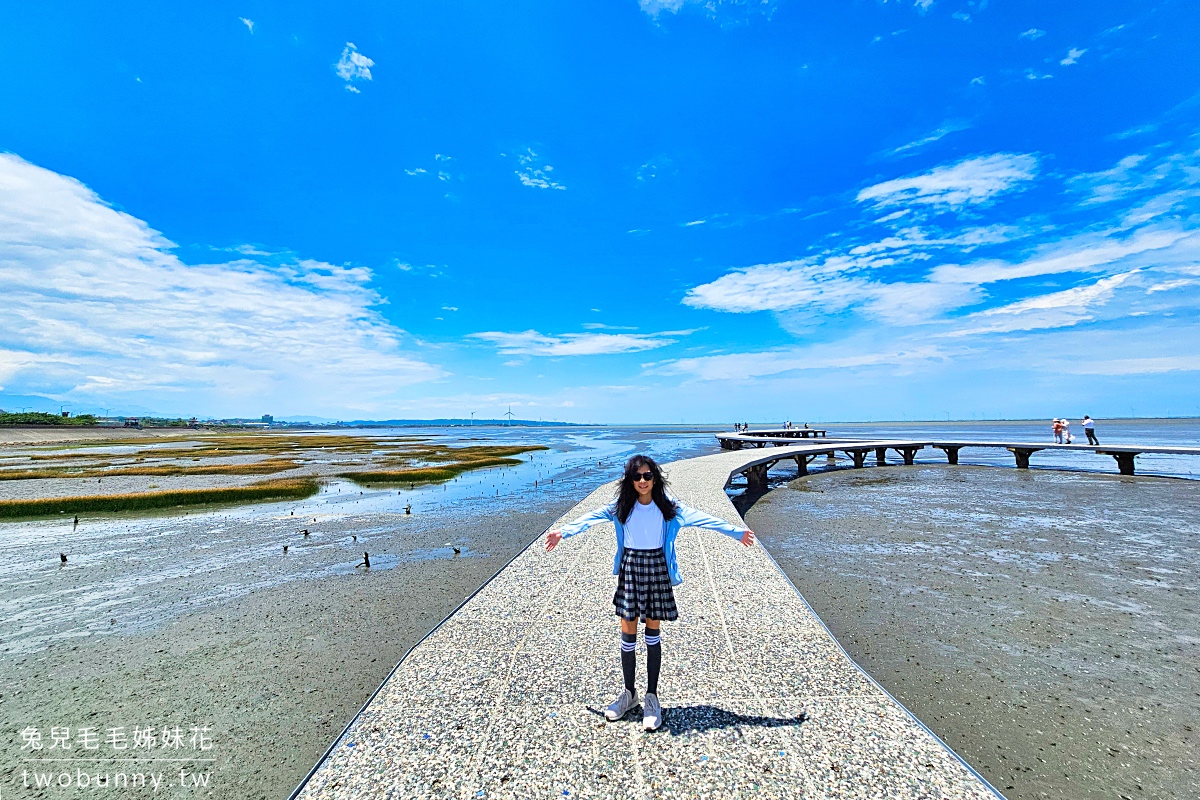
point(509, 414)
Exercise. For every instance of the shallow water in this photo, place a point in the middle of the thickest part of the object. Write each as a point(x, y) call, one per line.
point(1045, 624)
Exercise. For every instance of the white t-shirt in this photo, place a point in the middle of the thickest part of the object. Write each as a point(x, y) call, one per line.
point(644, 528)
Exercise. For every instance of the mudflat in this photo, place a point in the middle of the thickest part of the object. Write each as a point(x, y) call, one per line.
point(1045, 624)
point(200, 621)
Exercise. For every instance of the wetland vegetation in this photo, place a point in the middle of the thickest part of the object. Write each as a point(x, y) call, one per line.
point(218, 467)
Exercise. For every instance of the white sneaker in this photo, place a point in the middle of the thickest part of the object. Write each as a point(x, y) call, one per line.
point(651, 712)
point(620, 707)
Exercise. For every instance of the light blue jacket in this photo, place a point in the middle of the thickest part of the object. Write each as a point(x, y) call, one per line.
point(685, 517)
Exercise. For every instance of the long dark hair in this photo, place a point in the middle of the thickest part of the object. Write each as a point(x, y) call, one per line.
point(628, 495)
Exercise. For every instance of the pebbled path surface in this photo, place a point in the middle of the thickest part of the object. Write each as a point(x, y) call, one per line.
point(505, 698)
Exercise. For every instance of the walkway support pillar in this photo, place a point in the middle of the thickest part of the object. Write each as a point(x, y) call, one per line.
point(909, 453)
point(1023, 454)
point(756, 476)
point(859, 456)
point(802, 465)
point(951, 453)
point(881, 456)
point(1124, 461)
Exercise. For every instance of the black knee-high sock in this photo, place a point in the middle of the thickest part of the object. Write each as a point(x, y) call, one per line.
point(653, 660)
point(629, 660)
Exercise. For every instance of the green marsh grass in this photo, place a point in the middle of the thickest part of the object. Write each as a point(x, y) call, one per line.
point(295, 488)
point(426, 474)
point(265, 467)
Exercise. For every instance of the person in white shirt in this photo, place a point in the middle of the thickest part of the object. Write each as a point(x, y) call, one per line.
point(647, 522)
point(1089, 427)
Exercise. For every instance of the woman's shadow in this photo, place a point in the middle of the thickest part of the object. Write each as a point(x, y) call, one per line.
point(680, 720)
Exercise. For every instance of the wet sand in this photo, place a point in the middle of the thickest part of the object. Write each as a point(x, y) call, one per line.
point(1044, 624)
point(275, 673)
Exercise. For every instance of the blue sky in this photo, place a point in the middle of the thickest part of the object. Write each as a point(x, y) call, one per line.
point(620, 212)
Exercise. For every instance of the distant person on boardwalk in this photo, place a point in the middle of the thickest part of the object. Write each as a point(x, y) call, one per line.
point(1056, 426)
point(1089, 427)
point(647, 521)
point(1066, 423)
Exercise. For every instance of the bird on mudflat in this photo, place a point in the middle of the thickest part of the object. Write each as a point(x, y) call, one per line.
point(305, 533)
point(366, 562)
point(456, 550)
point(63, 557)
point(285, 547)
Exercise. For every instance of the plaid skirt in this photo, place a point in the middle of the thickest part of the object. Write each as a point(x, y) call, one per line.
point(644, 587)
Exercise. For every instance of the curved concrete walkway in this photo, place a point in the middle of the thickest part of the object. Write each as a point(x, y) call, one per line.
point(504, 699)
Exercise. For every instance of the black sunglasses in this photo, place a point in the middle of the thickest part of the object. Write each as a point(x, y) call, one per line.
point(643, 476)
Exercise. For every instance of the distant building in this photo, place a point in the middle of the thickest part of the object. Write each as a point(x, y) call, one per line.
point(133, 422)
point(267, 418)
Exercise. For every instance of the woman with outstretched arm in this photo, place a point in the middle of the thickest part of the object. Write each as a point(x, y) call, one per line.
point(647, 521)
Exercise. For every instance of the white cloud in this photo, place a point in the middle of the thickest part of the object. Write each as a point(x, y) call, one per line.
point(923, 5)
point(947, 128)
point(826, 287)
point(97, 306)
point(449, 308)
point(1033, 75)
point(1136, 130)
point(1138, 173)
point(971, 181)
point(978, 81)
point(655, 168)
point(1032, 34)
point(961, 16)
point(1085, 253)
point(534, 173)
point(532, 343)
point(249, 23)
point(656, 7)
point(904, 277)
point(748, 366)
point(1072, 56)
point(353, 66)
point(1055, 310)
point(714, 9)
point(600, 326)
point(417, 171)
point(1167, 286)
point(910, 239)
